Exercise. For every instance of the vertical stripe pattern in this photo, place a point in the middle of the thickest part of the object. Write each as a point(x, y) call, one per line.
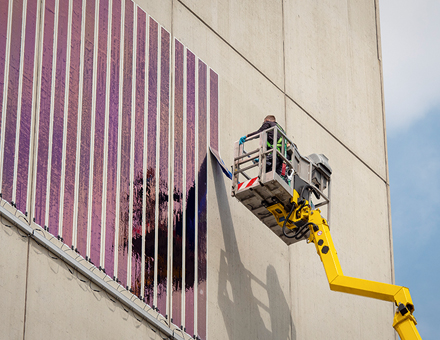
point(98, 152)
point(4, 6)
point(72, 123)
point(86, 121)
point(26, 106)
point(138, 185)
point(44, 114)
point(190, 193)
point(201, 199)
point(162, 274)
point(58, 118)
point(178, 184)
point(113, 127)
point(124, 196)
point(150, 205)
point(12, 100)
point(120, 139)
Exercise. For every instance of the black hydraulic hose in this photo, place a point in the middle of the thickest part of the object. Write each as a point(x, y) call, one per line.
point(308, 186)
point(287, 219)
point(304, 229)
point(298, 235)
point(285, 234)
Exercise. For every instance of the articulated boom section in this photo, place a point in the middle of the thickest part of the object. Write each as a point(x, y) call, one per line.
point(404, 321)
point(279, 193)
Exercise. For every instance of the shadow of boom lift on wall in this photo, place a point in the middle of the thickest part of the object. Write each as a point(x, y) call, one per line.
point(243, 311)
point(287, 196)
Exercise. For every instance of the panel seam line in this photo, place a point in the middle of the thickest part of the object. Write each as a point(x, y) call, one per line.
point(385, 180)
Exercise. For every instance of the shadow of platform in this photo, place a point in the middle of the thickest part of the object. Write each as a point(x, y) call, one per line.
point(245, 315)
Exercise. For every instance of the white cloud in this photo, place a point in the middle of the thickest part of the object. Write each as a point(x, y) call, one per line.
point(410, 32)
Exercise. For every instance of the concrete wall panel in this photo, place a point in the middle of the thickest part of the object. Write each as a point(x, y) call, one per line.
point(159, 10)
point(360, 231)
point(253, 28)
point(333, 72)
point(248, 271)
point(258, 288)
point(245, 96)
point(63, 304)
point(13, 262)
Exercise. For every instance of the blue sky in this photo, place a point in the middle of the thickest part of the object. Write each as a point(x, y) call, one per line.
point(410, 32)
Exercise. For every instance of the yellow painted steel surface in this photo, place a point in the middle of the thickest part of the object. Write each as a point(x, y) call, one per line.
point(405, 325)
point(404, 321)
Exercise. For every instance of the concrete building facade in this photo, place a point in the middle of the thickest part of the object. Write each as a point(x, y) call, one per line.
point(116, 222)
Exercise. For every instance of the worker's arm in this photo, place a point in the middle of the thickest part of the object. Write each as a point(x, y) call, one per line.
point(265, 126)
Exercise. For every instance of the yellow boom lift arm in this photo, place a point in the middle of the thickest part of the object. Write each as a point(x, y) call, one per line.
point(404, 321)
point(281, 199)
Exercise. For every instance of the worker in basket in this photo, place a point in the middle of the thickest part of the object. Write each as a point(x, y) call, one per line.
point(269, 122)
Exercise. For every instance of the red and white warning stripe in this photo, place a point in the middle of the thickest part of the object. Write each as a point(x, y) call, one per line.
point(248, 184)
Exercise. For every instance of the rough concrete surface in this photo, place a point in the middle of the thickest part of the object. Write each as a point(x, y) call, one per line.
point(315, 66)
point(13, 264)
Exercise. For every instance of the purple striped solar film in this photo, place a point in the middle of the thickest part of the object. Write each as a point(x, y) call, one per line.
point(178, 184)
point(110, 224)
point(213, 110)
point(26, 106)
point(162, 250)
point(138, 185)
point(124, 197)
point(190, 192)
point(98, 152)
point(201, 202)
point(3, 31)
point(44, 114)
point(147, 83)
point(72, 124)
point(58, 118)
point(12, 101)
point(150, 207)
point(86, 120)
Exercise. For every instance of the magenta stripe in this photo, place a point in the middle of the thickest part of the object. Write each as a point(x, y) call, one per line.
point(12, 101)
point(178, 184)
point(113, 140)
point(86, 117)
point(125, 145)
point(43, 133)
point(26, 106)
point(3, 28)
point(72, 124)
point(151, 163)
point(95, 242)
point(163, 172)
point(58, 119)
point(213, 109)
point(201, 204)
point(190, 194)
point(138, 187)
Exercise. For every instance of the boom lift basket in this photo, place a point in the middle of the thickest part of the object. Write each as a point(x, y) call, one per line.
point(261, 183)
